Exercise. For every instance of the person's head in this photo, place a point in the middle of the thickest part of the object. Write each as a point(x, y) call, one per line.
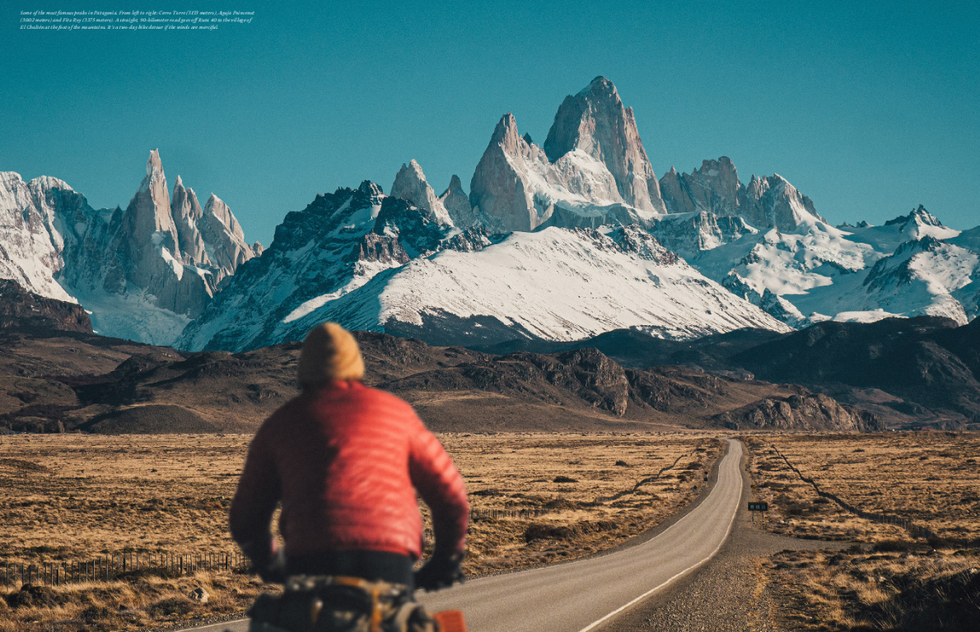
point(329, 353)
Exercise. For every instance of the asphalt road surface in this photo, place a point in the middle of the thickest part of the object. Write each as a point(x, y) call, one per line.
point(586, 594)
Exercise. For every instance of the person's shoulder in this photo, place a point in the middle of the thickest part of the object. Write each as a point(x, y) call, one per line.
point(381, 396)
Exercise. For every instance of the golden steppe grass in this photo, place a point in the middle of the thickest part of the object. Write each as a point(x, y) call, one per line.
point(921, 573)
point(928, 478)
point(536, 498)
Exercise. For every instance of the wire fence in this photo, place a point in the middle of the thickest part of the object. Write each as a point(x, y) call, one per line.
point(477, 515)
point(115, 565)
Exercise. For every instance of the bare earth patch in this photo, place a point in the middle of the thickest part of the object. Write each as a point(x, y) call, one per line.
point(536, 498)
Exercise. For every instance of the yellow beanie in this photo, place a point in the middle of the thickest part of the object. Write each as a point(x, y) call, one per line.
point(329, 353)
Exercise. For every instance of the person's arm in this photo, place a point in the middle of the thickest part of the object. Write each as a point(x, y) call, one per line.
point(441, 486)
point(254, 503)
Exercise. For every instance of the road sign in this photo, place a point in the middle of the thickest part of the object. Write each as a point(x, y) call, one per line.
point(758, 506)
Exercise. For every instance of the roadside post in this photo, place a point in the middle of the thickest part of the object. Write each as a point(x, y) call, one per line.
point(754, 507)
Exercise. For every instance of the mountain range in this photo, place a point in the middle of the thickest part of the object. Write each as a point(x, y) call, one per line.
point(552, 244)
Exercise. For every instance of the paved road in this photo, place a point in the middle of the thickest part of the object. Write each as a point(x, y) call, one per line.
point(727, 594)
point(581, 596)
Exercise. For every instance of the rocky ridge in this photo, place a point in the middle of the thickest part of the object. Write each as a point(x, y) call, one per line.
point(20, 309)
point(123, 387)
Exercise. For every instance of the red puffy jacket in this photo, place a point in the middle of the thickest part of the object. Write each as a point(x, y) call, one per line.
point(343, 459)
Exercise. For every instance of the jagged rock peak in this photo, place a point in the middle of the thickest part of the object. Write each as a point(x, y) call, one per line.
point(714, 188)
point(920, 216)
point(410, 185)
point(596, 122)
point(216, 206)
point(184, 203)
point(506, 134)
point(186, 212)
point(154, 171)
point(457, 204)
point(370, 189)
point(770, 201)
point(455, 185)
point(149, 211)
point(226, 240)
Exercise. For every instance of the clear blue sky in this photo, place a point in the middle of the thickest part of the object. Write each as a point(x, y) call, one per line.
point(868, 108)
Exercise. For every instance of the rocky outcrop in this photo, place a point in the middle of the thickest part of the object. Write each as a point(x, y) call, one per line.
point(574, 378)
point(225, 240)
point(151, 242)
point(501, 192)
point(802, 411)
point(773, 201)
point(776, 306)
point(694, 233)
point(589, 374)
point(596, 123)
point(926, 360)
point(417, 232)
point(148, 221)
point(20, 309)
point(186, 212)
point(714, 188)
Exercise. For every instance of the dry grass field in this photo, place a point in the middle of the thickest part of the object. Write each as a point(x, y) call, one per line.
point(536, 498)
point(910, 503)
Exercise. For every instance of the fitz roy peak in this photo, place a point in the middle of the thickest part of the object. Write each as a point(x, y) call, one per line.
point(143, 273)
point(592, 171)
point(595, 122)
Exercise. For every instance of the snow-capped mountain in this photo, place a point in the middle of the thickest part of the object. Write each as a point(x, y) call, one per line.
point(143, 273)
point(376, 262)
point(559, 242)
point(331, 248)
point(766, 243)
